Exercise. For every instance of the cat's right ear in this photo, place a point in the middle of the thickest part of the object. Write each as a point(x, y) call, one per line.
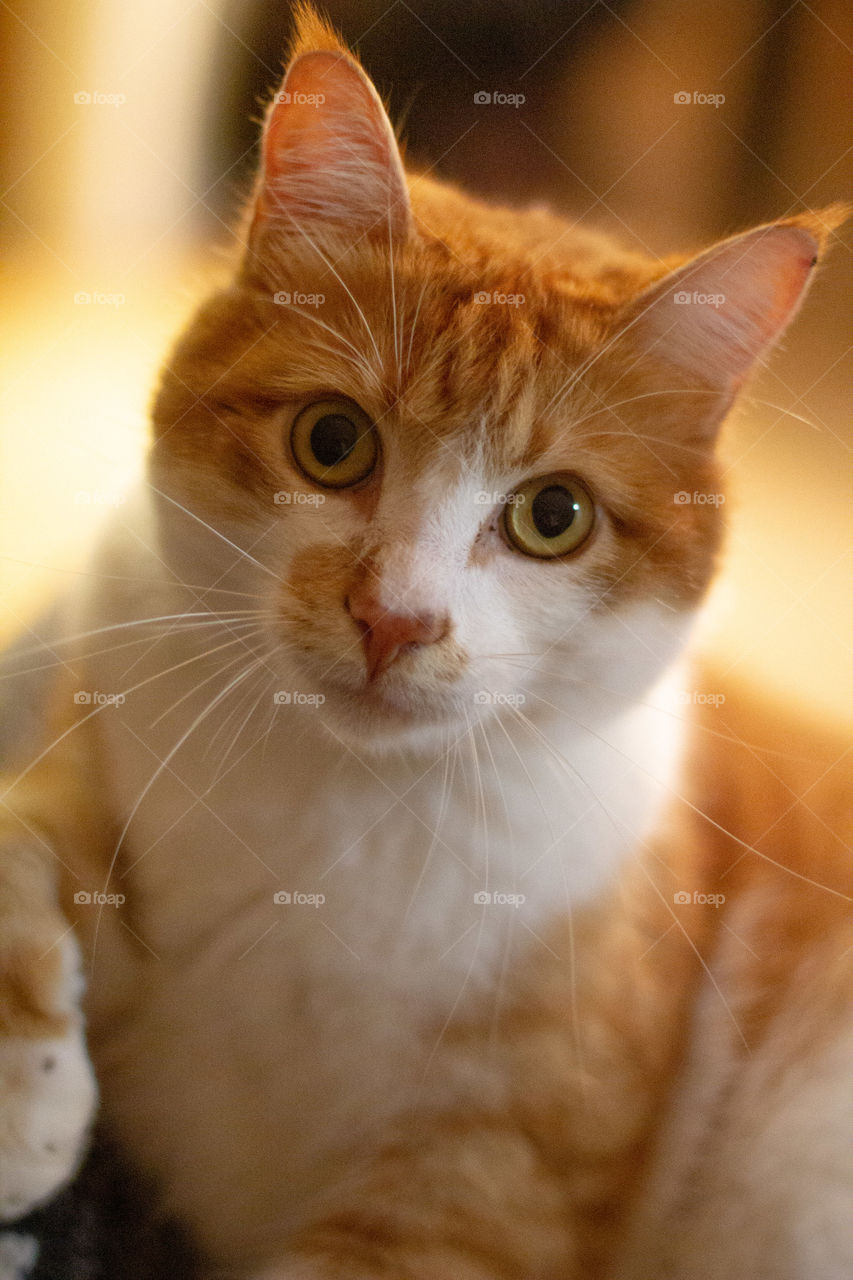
point(330, 160)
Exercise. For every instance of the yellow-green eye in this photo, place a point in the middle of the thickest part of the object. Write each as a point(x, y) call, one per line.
point(549, 516)
point(334, 443)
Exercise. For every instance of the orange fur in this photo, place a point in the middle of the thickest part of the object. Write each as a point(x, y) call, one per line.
point(562, 1083)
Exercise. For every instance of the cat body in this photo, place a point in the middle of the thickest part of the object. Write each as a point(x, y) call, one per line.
point(316, 1019)
point(405, 888)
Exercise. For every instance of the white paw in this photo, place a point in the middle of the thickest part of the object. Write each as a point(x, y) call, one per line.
point(18, 1256)
point(47, 1101)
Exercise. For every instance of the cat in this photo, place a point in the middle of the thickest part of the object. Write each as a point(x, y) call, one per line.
point(426, 932)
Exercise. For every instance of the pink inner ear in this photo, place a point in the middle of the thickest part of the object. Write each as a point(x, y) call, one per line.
point(329, 150)
point(789, 285)
point(715, 316)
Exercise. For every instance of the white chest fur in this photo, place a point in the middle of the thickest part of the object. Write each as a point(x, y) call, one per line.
point(302, 920)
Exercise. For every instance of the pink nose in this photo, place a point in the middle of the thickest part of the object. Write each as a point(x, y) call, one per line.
point(385, 634)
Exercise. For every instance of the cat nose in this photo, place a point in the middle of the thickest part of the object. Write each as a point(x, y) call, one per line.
point(386, 634)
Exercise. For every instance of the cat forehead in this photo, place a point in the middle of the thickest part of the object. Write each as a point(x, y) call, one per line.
point(439, 350)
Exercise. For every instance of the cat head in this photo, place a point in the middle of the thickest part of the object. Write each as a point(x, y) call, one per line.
point(458, 452)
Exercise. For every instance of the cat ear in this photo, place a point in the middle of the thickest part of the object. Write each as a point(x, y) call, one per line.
point(330, 159)
point(706, 324)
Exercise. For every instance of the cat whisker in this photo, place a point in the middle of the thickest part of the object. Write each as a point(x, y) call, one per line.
point(510, 923)
point(567, 767)
point(331, 267)
point(393, 293)
point(446, 783)
point(630, 700)
point(755, 750)
point(706, 817)
point(635, 839)
point(242, 640)
point(125, 577)
point(158, 675)
point(202, 619)
point(218, 534)
point(164, 764)
point(497, 720)
point(414, 324)
point(457, 1001)
point(267, 680)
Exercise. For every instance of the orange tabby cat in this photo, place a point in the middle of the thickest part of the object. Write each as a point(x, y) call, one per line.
point(425, 936)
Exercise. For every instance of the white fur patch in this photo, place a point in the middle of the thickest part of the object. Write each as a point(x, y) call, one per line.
point(47, 1100)
point(18, 1254)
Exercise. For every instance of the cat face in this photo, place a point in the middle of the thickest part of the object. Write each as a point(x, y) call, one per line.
point(459, 452)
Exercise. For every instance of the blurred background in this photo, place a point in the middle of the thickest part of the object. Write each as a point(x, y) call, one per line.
point(129, 144)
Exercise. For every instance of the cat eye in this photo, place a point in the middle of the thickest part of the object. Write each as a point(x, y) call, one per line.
point(334, 443)
point(549, 516)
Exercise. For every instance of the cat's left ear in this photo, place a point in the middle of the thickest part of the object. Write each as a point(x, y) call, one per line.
point(707, 324)
point(330, 161)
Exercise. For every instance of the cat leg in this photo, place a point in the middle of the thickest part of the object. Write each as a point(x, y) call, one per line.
point(472, 1200)
point(467, 1195)
point(47, 1086)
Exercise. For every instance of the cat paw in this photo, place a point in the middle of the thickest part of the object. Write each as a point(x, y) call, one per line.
point(18, 1255)
point(47, 1099)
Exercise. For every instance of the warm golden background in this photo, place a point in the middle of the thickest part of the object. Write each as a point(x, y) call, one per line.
point(126, 194)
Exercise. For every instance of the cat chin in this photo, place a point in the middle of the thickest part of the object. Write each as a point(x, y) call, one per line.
point(382, 720)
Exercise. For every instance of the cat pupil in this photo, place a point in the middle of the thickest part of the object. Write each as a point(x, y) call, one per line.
point(553, 510)
point(333, 438)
